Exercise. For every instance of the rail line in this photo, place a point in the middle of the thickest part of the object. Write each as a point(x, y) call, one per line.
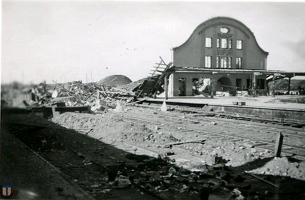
point(289, 149)
point(242, 117)
point(292, 131)
point(232, 136)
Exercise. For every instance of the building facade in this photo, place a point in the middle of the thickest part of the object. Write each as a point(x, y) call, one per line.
point(221, 55)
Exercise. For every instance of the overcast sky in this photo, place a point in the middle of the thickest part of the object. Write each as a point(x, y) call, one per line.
point(72, 40)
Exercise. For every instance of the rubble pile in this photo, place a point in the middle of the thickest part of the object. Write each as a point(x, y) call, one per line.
point(234, 153)
point(76, 93)
point(112, 127)
point(173, 172)
point(161, 179)
point(282, 167)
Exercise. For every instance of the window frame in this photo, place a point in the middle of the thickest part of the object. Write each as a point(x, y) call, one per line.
point(224, 43)
point(238, 62)
point(230, 42)
point(223, 62)
point(239, 44)
point(209, 41)
point(208, 62)
point(230, 62)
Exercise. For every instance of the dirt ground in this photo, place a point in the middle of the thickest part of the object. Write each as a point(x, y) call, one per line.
point(151, 131)
point(134, 152)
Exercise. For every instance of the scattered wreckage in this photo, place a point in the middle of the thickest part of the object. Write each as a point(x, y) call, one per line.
point(76, 96)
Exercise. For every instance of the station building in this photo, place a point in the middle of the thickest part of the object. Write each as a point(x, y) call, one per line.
point(221, 56)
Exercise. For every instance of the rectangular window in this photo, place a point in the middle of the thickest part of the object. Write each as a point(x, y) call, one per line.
point(224, 43)
point(208, 61)
point(223, 62)
point(218, 43)
point(208, 42)
point(238, 63)
point(230, 62)
point(217, 61)
point(230, 44)
point(239, 44)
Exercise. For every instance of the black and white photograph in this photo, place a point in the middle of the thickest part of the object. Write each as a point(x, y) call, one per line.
point(152, 100)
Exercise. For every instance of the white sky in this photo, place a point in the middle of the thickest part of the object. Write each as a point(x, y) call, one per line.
point(67, 40)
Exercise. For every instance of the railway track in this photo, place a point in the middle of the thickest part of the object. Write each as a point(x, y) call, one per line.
point(291, 134)
point(242, 117)
point(267, 144)
point(201, 116)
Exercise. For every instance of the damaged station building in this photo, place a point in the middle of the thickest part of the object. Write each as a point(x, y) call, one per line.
point(221, 57)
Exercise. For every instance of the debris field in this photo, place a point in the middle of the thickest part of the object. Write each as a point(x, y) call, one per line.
point(126, 149)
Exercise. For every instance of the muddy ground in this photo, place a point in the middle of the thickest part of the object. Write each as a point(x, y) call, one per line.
point(134, 152)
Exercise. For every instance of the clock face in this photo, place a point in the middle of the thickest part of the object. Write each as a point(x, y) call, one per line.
point(224, 30)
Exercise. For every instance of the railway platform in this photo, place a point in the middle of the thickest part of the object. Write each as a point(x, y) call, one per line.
point(270, 107)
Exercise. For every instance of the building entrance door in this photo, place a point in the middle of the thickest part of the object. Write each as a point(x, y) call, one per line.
point(224, 84)
point(182, 86)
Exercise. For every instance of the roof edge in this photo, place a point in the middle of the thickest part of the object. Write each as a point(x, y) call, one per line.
point(219, 18)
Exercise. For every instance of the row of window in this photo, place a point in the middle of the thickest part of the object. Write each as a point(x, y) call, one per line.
point(224, 43)
point(223, 62)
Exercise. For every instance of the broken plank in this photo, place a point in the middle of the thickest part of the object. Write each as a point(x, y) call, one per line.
point(161, 64)
point(185, 142)
point(259, 178)
point(73, 109)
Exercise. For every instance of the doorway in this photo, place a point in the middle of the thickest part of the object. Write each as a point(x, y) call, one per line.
point(224, 84)
point(182, 86)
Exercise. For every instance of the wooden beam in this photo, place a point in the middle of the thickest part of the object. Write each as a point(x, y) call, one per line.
point(161, 64)
point(185, 142)
point(278, 145)
point(165, 87)
point(259, 178)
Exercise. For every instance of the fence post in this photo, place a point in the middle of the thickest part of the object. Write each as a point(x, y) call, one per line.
point(278, 145)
